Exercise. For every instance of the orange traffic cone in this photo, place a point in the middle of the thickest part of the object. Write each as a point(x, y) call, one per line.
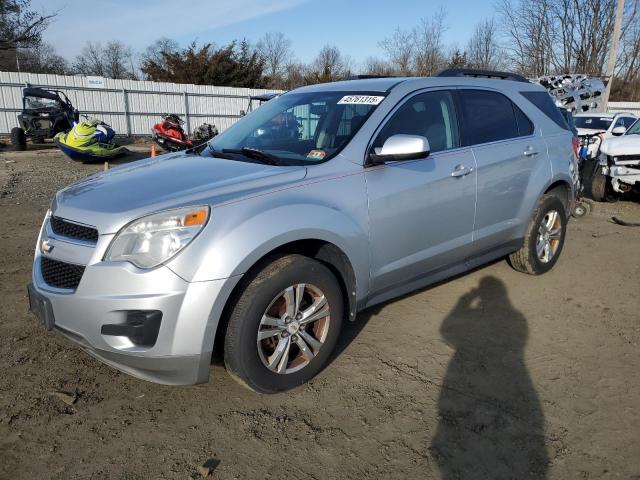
point(153, 151)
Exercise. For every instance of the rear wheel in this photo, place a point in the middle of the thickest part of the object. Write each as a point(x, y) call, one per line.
point(285, 324)
point(544, 238)
point(18, 139)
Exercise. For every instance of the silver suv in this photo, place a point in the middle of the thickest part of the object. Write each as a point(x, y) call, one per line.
point(324, 201)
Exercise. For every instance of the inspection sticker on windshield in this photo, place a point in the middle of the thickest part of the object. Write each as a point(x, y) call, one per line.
point(316, 154)
point(360, 100)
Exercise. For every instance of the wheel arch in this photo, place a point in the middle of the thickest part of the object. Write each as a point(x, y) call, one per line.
point(322, 250)
point(562, 189)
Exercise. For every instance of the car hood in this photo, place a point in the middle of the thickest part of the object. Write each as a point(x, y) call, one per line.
point(588, 131)
point(624, 145)
point(111, 199)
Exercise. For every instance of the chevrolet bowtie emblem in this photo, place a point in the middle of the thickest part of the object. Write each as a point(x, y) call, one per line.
point(45, 246)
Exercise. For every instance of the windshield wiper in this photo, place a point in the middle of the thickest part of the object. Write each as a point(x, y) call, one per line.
point(254, 154)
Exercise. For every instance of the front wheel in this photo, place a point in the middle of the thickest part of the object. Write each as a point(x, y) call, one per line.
point(18, 139)
point(284, 325)
point(544, 238)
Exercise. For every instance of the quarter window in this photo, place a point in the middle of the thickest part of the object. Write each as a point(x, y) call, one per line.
point(430, 115)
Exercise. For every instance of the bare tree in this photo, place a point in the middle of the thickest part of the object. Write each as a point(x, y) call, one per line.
point(114, 60)
point(457, 58)
point(118, 60)
point(377, 66)
point(400, 47)
point(428, 44)
point(275, 50)
point(19, 25)
point(42, 58)
point(483, 49)
point(158, 52)
point(329, 65)
point(560, 36)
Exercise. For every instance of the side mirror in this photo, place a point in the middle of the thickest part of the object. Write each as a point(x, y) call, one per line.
point(400, 147)
point(242, 113)
point(617, 131)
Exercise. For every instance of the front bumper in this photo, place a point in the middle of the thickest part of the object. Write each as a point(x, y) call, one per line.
point(109, 291)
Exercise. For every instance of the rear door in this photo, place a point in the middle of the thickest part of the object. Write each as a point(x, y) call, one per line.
point(508, 153)
point(421, 211)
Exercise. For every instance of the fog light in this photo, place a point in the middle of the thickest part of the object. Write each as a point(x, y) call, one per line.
point(141, 327)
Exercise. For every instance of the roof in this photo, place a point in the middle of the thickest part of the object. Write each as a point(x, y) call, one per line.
point(385, 84)
point(39, 92)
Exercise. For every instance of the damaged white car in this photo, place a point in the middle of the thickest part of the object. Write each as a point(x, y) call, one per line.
point(620, 165)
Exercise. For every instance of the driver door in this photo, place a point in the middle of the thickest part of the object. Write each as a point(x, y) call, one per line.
point(421, 211)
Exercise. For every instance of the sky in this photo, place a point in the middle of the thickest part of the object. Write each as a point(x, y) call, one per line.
point(355, 27)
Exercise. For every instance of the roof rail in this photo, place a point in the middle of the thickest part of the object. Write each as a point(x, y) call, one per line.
point(366, 77)
point(471, 72)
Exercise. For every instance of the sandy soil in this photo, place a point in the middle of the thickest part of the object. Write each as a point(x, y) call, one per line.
point(491, 375)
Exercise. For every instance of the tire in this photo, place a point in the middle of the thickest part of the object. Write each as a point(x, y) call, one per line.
point(256, 363)
point(598, 186)
point(601, 189)
point(528, 259)
point(18, 139)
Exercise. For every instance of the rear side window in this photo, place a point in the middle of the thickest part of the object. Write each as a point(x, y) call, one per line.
point(490, 116)
point(542, 100)
point(525, 126)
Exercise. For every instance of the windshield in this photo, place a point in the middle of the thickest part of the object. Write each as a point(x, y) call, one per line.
point(297, 128)
point(39, 103)
point(594, 123)
point(634, 129)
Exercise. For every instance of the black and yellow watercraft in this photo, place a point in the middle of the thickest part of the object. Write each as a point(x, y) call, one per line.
point(91, 140)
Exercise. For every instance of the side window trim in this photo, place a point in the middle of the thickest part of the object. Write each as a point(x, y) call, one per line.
point(407, 98)
point(463, 121)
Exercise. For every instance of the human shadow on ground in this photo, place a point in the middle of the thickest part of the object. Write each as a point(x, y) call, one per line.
point(491, 423)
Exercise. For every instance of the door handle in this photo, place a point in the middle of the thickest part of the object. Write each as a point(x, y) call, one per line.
point(461, 171)
point(530, 152)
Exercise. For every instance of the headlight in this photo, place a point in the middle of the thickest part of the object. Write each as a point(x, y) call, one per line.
point(154, 239)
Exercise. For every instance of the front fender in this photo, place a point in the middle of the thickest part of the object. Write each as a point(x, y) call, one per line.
point(240, 234)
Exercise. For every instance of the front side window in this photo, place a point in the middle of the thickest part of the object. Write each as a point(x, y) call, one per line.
point(624, 122)
point(430, 115)
point(297, 128)
point(634, 129)
point(489, 117)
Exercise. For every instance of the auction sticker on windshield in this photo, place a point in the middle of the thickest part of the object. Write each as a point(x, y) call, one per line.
point(360, 100)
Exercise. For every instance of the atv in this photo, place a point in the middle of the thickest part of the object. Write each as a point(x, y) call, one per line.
point(45, 113)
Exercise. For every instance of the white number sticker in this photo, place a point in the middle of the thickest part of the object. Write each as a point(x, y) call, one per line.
point(360, 100)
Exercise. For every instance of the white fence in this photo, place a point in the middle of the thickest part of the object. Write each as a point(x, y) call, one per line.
point(131, 107)
point(630, 107)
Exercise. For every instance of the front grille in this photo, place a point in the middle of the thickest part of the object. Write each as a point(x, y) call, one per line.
point(65, 228)
point(60, 274)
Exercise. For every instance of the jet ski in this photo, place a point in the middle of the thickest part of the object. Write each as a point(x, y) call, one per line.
point(91, 140)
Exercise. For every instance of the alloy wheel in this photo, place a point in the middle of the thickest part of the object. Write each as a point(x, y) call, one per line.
point(549, 235)
point(293, 328)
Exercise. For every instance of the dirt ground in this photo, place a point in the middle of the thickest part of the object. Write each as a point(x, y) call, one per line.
point(491, 375)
